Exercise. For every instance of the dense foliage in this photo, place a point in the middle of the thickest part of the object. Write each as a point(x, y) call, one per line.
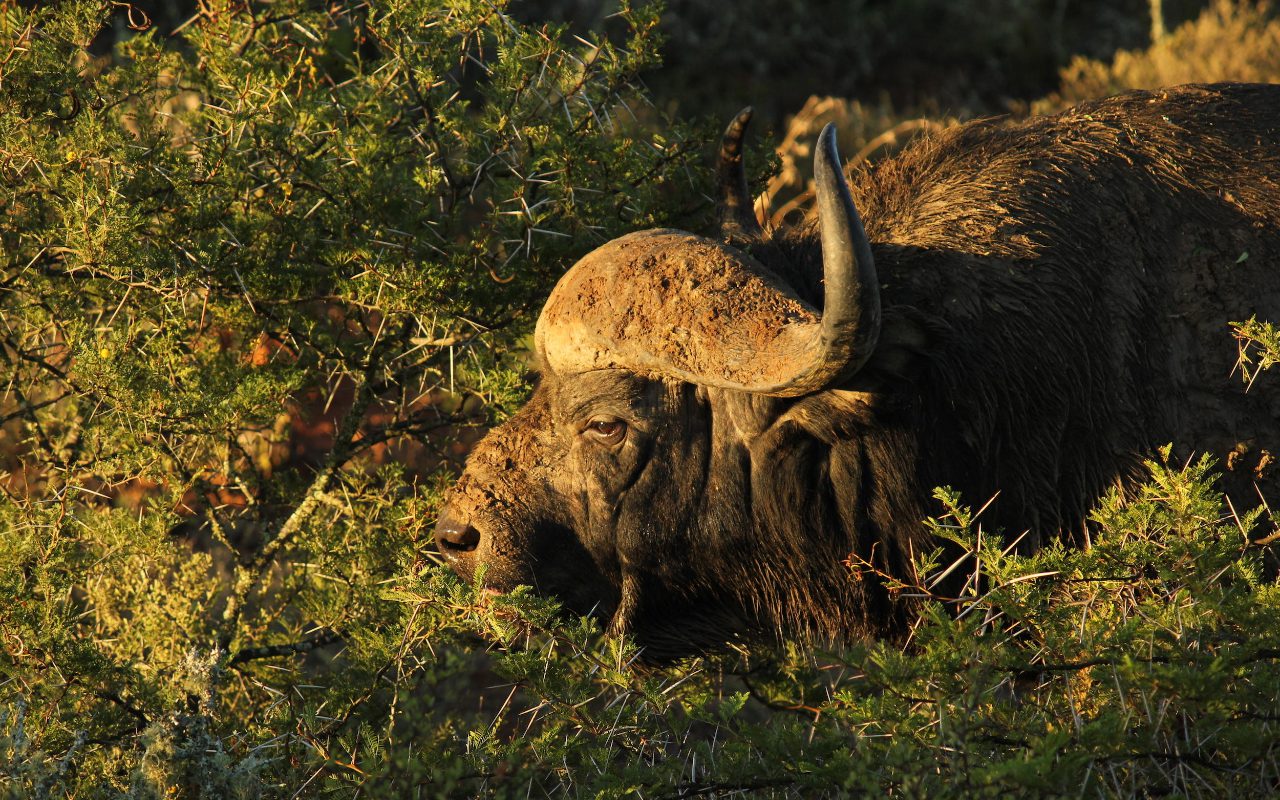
point(256, 282)
point(262, 280)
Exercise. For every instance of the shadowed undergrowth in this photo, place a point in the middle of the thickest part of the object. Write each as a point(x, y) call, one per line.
point(1148, 663)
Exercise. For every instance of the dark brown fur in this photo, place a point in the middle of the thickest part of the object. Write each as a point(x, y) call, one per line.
point(1056, 297)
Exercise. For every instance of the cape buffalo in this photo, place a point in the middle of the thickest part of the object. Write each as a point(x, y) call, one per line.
point(1033, 307)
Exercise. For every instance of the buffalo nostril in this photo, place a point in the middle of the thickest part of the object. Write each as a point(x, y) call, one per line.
point(456, 537)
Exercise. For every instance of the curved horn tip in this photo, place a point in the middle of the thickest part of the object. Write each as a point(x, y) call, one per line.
point(737, 208)
point(827, 152)
point(735, 132)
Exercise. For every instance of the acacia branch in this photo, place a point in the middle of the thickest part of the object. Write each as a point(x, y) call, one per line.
point(30, 408)
point(1264, 654)
point(290, 648)
point(133, 711)
point(345, 445)
point(699, 790)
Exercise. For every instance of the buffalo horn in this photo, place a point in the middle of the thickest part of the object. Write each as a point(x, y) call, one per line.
point(851, 308)
point(737, 210)
point(668, 303)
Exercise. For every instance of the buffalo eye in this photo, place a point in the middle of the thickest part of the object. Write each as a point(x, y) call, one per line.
point(606, 430)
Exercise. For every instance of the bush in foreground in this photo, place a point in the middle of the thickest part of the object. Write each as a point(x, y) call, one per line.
point(1148, 664)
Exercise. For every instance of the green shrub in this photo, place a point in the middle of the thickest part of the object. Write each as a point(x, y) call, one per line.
point(1259, 344)
point(1148, 664)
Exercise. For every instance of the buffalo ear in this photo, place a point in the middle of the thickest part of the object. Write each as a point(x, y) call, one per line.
point(906, 339)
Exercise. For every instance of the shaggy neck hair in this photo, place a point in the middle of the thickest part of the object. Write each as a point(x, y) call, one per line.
point(1029, 353)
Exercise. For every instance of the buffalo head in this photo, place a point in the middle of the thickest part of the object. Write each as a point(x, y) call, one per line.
point(671, 473)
